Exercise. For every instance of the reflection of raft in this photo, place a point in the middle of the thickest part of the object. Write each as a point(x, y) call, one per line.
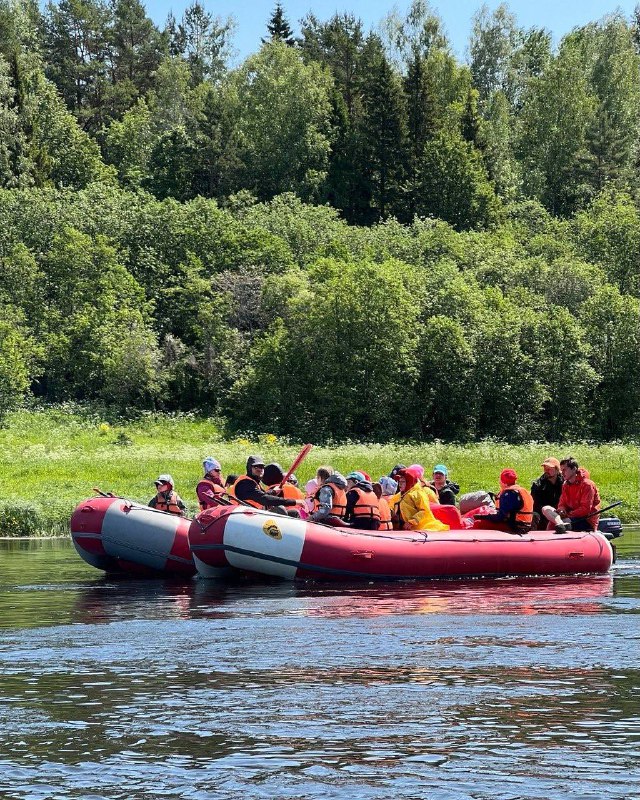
point(257, 541)
point(117, 535)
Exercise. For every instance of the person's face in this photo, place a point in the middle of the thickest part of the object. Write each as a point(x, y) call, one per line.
point(439, 479)
point(568, 474)
point(163, 487)
point(402, 483)
point(550, 472)
point(257, 471)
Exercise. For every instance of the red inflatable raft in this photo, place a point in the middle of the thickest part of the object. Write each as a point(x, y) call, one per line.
point(117, 535)
point(257, 541)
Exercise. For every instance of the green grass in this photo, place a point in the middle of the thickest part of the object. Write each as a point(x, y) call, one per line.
point(52, 458)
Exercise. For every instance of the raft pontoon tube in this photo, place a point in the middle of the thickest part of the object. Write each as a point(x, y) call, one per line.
point(257, 541)
point(117, 535)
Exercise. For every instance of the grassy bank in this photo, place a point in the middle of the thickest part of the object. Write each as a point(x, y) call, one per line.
point(52, 459)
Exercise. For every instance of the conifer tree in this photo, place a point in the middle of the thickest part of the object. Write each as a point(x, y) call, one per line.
point(383, 129)
point(279, 28)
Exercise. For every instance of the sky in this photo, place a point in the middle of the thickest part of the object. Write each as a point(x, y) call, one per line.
point(558, 16)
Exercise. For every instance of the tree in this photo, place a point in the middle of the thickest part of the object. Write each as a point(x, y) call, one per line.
point(283, 117)
point(206, 42)
point(610, 322)
point(454, 185)
point(502, 166)
point(137, 46)
point(279, 28)
point(382, 130)
point(493, 45)
point(557, 109)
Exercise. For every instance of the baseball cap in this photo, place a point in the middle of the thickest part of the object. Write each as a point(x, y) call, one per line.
point(164, 479)
point(441, 468)
point(551, 462)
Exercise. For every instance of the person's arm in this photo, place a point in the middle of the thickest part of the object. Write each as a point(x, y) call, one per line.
point(249, 490)
point(181, 505)
point(206, 494)
point(510, 502)
point(585, 501)
point(325, 504)
point(352, 499)
point(154, 501)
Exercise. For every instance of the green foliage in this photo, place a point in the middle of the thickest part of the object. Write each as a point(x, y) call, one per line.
point(283, 116)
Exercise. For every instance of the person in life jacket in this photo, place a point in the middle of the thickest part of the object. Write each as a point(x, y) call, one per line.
point(419, 471)
point(412, 505)
point(445, 489)
point(579, 501)
point(210, 490)
point(272, 479)
point(384, 489)
point(330, 501)
point(166, 499)
point(363, 509)
point(514, 507)
point(248, 489)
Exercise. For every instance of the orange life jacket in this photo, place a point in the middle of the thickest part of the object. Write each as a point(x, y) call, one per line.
point(170, 505)
point(385, 515)
point(339, 507)
point(232, 492)
point(366, 506)
point(215, 488)
point(525, 514)
point(292, 492)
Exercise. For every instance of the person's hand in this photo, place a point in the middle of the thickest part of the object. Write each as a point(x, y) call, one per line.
point(408, 526)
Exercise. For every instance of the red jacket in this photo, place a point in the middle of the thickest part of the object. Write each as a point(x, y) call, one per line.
point(580, 498)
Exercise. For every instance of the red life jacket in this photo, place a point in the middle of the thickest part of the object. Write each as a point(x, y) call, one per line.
point(217, 491)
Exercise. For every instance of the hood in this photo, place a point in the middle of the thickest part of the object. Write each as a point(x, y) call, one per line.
point(273, 474)
point(338, 480)
point(253, 461)
point(583, 474)
point(411, 476)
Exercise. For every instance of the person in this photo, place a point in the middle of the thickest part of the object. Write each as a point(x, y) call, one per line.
point(293, 480)
point(210, 490)
point(394, 472)
point(312, 486)
point(418, 469)
point(412, 509)
point(546, 489)
point(363, 510)
point(514, 506)
point(384, 489)
point(273, 475)
point(330, 500)
point(579, 501)
point(444, 488)
point(248, 489)
point(166, 499)
point(231, 479)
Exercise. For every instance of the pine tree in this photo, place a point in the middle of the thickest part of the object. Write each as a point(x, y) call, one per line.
point(383, 129)
point(279, 28)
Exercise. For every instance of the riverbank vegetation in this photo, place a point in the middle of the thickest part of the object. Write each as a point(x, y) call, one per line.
point(53, 458)
point(350, 236)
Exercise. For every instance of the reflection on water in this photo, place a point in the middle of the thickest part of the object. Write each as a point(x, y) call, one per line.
point(471, 689)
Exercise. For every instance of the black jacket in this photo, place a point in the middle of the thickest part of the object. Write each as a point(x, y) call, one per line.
point(545, 493)
point(447, 495)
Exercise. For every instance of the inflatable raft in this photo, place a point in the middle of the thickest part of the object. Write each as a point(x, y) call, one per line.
point(117, 535)
point(256, 541)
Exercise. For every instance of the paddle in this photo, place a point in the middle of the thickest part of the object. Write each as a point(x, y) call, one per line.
point(101, 493)
point(298, 460)
point(601, 510)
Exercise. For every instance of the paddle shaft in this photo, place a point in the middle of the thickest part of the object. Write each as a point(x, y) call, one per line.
point(600, 510)
point(298, 460)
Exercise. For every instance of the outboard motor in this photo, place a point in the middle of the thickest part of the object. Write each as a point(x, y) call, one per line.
point(611, 527)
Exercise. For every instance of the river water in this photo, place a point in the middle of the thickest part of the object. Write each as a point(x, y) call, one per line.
point(501, 689)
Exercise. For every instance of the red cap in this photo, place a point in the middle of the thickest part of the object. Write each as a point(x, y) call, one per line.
point(508, 477)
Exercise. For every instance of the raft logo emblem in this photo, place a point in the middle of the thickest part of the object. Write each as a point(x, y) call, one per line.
point(272, 529)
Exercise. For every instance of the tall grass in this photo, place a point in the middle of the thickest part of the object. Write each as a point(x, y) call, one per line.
point(52, 458)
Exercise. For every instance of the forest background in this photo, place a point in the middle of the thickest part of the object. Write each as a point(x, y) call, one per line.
point(351, 235)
